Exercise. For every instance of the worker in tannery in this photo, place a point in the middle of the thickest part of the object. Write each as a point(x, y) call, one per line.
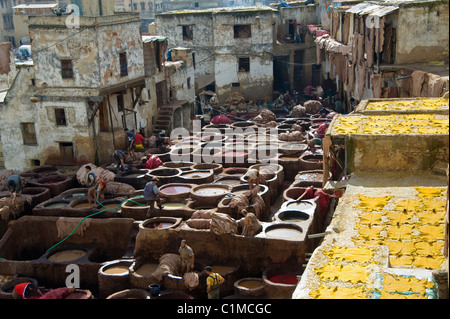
point(213, 281)
point(187, 256)
point(14, 185)
point(151, 195)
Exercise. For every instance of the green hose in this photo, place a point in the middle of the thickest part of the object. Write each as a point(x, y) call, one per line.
point(105, 210)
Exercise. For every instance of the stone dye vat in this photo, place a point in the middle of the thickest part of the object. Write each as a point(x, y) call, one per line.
point(113, 277)
point(165, 175)
point(56, 183)
point(141, 273)
point(197, 176)
point(45, 255)
point(135, 178)
point(217, 168)
point(210, 193)
point(249, 286)
point(176, 191)
point(228, 180)
point(280, 281)
point(183, 166)
point(285, 231)
point(135, 207)
point(311, 162)
point(130, 294)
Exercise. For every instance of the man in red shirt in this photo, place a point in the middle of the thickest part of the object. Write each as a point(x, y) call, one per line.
point(138, 141)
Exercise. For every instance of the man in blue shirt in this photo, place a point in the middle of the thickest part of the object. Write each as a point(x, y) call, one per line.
point(151, 195)
point(14, 185)
point(130, 136)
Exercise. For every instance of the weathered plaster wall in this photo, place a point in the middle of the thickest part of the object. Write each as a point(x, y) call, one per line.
point(422, 33)
point(258, 82)
point(171, 26)
point(114, 39)
point(19, 109)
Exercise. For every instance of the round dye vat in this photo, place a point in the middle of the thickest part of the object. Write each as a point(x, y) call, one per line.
point(174, 206)
point(286, 279)
point(250, 284)
point(300, 205)
point(56, 205)
point(222, 270)
point(293, 216)
point(159, 225)
point(111, 206)
point(146, 269)
point(116, 270)
point(289, 158)
point(83, 206)
point(211, 191)
point(67, 255)
point(280, 231)
point(196, 175)
point(176, 189)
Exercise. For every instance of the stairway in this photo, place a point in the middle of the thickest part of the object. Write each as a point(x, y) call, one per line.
point(163, 120)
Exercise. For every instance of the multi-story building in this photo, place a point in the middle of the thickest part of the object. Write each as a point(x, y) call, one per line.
point(231, 47)
point(252, 50)
point(385, 49)
point(86, 83)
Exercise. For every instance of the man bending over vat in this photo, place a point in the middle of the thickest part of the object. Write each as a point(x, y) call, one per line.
point(252, 177)
point(14, 184)
point(187, 256)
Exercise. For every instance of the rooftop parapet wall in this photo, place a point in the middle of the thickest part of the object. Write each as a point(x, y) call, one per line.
point(394, 139)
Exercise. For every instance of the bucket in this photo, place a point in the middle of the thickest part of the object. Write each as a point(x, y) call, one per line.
point(154, 289)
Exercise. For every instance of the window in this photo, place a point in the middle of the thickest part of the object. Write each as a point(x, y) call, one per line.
point(28, 133)
point(244, 64)
point(187, 33)
point(120, 103)
point(193, 59)
point(67, 69)
point(189, 83)
point(235, 84)
point(143, 6)
point(60, 117)
point(123, 64)
point(242, 31)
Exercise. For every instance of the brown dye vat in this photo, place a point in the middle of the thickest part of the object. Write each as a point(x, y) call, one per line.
point(147, 269)
point(67, 255)
point(249, 287)
point(116, 270)
point(197, 177)
point(211, 193)
point(157, 225)
point(217, 168)
point(280, 281)
point(177, 164)
point(292, 216)
point(284, 232)
point(135, 208)
point(293, 193)
point(229, 180)
point(82, 206)
point(302, 205)
point(130, 294)
point(311, 162)
point(113, 277)
point(56, 205)
point(175, 192)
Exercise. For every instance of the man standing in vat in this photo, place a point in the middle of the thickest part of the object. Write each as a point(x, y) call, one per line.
point(151, 195)
point(252, 177)
point(187, 257)
point(213, 281)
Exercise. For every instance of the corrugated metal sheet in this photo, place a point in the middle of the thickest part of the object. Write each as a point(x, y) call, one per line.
point(152, 38)
point(365, 8)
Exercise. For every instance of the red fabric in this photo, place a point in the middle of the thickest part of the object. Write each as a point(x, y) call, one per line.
point(221, 119)
point(324, 199)
point(309, 193)
point(59, 293)
point(322, 130)
point(20, 288)
point(138, 139)
point(153, 162)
